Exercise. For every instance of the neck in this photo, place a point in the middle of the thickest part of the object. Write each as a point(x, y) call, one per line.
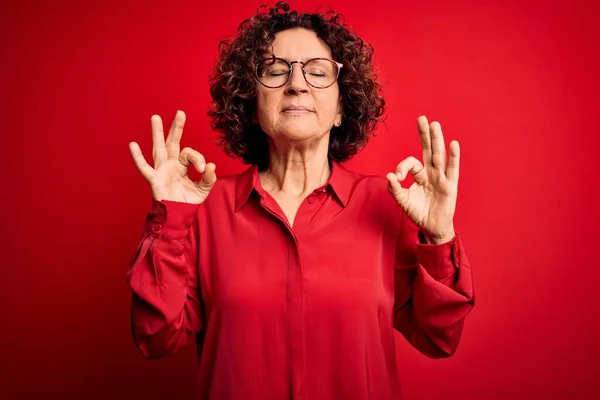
point(296, 170)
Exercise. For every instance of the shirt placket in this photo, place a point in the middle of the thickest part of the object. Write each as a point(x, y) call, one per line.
point(296, 304)
point(295, 289)
point(296, 321)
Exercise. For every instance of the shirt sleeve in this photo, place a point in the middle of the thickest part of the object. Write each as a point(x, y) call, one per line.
point(166, 306)
point(433, 292)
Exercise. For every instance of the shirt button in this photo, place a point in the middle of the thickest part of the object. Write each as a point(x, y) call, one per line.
point(158, 209)
point(310, 201)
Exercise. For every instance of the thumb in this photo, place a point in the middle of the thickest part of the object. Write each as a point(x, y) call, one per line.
point(209, 177)
point(396, 190)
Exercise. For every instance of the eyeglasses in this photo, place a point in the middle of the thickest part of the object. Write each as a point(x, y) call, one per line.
point(318, 72)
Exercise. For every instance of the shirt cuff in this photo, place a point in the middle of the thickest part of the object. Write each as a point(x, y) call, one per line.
point(170, 218)
point(439, 260)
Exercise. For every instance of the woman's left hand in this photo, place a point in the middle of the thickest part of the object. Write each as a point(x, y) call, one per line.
point(430, 201)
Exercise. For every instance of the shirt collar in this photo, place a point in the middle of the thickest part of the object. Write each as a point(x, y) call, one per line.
point(340, 181)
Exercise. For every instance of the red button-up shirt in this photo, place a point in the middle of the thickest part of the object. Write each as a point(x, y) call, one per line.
point(295, 312)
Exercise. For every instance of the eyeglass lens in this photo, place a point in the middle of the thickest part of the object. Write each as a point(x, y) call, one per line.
point(318, 73)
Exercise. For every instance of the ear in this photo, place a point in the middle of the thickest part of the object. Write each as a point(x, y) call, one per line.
point(340, 113)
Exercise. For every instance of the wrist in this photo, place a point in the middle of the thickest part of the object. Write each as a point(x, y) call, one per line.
point(441, 238)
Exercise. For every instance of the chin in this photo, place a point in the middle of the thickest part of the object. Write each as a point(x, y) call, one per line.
point(297, 134)
point(296, 130)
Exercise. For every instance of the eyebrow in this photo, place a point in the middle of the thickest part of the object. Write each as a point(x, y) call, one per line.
point(304, 59)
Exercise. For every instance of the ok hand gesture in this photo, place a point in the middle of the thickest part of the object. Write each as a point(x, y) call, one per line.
point(169, 178)
point(430, 202)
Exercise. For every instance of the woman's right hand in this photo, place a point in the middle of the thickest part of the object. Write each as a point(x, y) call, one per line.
point(169, 179)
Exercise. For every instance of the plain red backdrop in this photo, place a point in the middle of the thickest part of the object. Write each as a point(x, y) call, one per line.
point(516, 83)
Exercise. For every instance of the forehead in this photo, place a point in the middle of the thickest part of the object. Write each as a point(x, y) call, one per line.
point(299, 44)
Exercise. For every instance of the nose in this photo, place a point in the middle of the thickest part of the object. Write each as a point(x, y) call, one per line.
point(297, 83)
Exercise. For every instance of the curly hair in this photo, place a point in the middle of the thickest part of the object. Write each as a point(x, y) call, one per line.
point(233, 84)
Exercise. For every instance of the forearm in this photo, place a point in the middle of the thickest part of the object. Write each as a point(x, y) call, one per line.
point(165, 296)
point(434, 295)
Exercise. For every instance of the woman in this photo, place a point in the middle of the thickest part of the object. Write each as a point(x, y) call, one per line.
point(292, 275)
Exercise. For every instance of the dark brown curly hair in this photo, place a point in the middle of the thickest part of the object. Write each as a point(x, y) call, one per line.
point(233, 84)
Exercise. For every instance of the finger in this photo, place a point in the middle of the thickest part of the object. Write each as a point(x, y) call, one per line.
point(159, 151)
point(438, 146)
point(209, 177)
point(140, 162)
point(175, 133)
point(454, 162)
point(423, 126)
point(410, 165)
point(399, 193)
point(190, 156)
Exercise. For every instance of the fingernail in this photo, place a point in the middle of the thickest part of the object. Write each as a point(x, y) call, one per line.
point(399, 175)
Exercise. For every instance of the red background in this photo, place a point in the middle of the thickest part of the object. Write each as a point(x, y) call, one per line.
point(516, 83)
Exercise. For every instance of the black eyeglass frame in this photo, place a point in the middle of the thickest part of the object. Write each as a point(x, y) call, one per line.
point(291, 70)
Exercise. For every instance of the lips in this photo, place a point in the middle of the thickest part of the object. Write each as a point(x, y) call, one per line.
point(296, 109)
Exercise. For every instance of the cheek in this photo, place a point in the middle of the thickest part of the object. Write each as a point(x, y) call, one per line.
point(329, 106)
point(266, 104)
